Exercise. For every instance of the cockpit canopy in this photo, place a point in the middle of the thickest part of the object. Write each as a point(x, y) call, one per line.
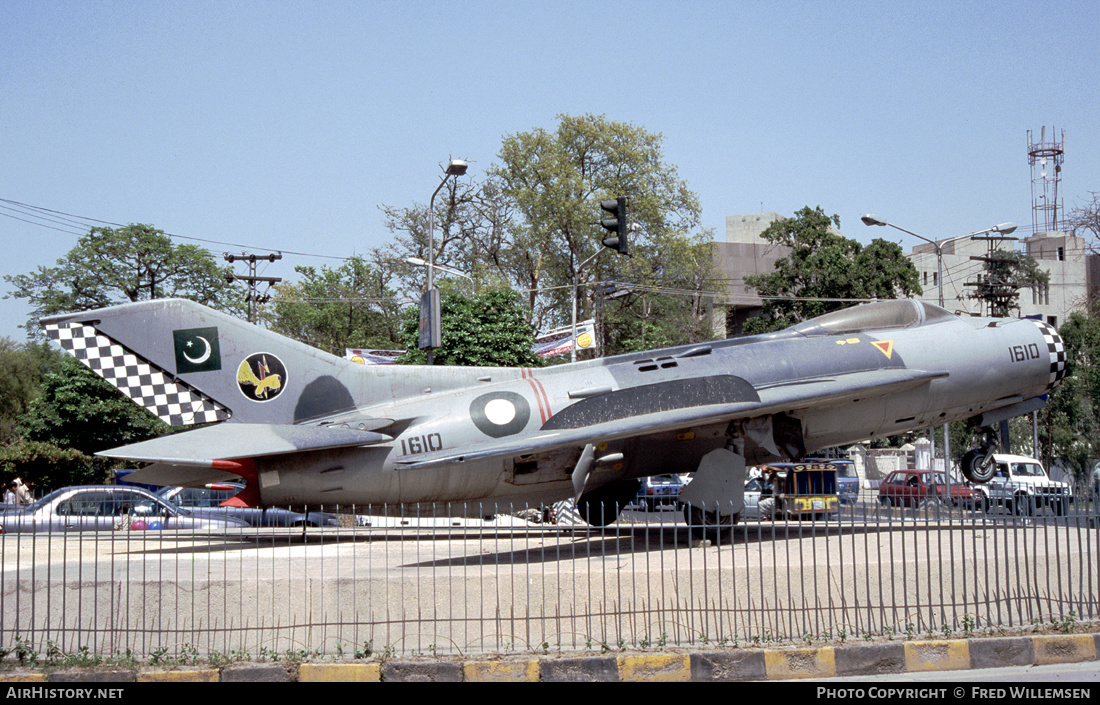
point(895, 313)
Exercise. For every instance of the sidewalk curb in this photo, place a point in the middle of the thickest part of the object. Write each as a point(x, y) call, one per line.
point(702, 666)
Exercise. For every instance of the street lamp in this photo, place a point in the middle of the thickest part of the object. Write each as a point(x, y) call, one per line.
point(421, 263)
point(1004, 228)
point(456, 167)
point(429, 303)
point(576, 285)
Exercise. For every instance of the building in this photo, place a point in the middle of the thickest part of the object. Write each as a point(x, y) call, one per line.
point(1074, 272)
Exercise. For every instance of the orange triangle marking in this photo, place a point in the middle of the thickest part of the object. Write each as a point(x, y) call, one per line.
point(886, 347)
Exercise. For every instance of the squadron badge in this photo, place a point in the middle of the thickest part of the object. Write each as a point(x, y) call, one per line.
point(261, 377)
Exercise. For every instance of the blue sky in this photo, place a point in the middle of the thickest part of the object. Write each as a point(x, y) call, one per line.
point(285, 125)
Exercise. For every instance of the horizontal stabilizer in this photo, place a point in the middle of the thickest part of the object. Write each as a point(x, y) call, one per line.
point(165, 475)
point(226, 441)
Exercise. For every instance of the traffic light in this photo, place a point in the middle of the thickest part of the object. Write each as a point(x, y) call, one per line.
point(617, 225)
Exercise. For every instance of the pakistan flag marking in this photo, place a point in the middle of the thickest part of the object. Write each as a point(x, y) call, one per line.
point(197, 350)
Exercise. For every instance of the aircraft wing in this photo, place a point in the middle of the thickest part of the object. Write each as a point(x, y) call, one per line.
point(622, 417)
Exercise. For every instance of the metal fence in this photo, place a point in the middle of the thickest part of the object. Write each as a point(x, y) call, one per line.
point(417, 584)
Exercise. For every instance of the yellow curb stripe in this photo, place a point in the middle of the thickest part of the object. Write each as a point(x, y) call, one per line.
point(666, 668)
point(937, 656)
point(800, 663)
point(340, 672)
point(501, 671)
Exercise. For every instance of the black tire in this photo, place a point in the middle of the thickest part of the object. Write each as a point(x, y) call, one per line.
point(1021, 505)
point(885, 501)
point(712, 526)
point(978, 466)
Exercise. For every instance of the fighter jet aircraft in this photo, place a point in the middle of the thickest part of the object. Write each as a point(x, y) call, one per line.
point(303, 427)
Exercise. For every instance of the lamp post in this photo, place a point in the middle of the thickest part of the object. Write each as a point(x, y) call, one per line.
point(421, 263)
point(429, 304)
point(1005, 228)
point(576, 285)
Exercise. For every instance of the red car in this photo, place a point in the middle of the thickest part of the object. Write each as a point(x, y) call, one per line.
point(908, 488)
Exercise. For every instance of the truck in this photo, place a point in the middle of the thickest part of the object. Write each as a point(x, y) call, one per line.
point(1021, 485)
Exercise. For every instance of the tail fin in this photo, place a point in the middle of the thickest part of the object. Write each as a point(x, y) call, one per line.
point(189, 364)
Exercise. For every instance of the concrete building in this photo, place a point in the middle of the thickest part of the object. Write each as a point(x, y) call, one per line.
point(1074, 272)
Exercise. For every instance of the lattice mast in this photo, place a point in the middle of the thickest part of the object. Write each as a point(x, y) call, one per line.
point(1045, 158)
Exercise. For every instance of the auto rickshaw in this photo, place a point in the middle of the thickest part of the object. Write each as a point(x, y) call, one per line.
point(802, 490)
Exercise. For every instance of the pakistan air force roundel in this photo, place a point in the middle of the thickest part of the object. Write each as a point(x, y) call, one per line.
point(261, 377)
point(500, 414)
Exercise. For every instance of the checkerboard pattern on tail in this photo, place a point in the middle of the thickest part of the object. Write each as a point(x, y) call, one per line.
point(169, 398)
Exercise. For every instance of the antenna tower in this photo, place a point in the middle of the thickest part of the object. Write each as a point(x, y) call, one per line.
point(1046, 160)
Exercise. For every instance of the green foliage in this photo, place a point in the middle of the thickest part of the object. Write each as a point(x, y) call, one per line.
point(555, 182)
point(335, 309)
point(21, 370)
point(824, 271)
point(132, 263)
point(1005, 273)
point(1070, 424)
point(49, 467)
point(78, 410)
point(488, 329)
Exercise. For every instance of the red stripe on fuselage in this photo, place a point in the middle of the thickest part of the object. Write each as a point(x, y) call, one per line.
point(540, 395)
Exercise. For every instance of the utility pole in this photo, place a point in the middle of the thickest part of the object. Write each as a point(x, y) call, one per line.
point(254, 299)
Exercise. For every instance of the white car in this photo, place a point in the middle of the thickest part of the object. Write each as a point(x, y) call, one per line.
point(752, 498)
point(1021, 485)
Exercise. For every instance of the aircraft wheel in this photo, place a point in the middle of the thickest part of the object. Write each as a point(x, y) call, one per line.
point(712, 526)
point(601, 507)
point(978, 466)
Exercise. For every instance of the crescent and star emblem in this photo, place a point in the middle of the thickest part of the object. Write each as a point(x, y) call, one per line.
point(205, 354)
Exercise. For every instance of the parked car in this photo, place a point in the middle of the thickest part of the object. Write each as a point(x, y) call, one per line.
point(1021, 485)
point(107, 508)
point(911, 488)
point(209, 501)
point(660, 491)
point(753, 488)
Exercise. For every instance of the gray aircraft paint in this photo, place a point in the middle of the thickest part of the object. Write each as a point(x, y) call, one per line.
point(340, 432)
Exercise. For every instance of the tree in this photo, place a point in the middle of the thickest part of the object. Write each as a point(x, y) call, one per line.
point(1070, 423)
point(555, 181)
point(21, 370)
point(825, 271)
point(1005, 273)
point(351, 306)
point(76, 415)
point(79, 410)
point(132, 263)
point(487, 329)
point(1084, 221)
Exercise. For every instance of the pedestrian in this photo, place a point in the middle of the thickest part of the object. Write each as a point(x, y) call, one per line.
point(22, 493)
